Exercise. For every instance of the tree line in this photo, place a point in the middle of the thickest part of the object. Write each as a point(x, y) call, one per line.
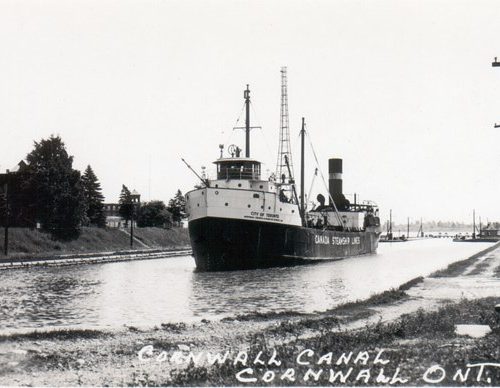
point(48, 192)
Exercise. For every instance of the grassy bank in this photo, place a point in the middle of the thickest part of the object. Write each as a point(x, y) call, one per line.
point(411, 345)
point(31, 242)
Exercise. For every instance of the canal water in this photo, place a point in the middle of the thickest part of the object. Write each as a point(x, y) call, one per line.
point(148, 293)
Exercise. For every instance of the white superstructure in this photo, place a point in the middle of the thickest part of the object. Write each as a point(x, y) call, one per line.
point(240, 193)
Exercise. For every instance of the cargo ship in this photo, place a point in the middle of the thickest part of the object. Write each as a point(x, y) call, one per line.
point(240, 220)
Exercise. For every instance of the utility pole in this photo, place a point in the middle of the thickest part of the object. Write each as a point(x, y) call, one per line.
point(474, 224)
point(6, 227)
point(302, 167)
point(131, 224)
point(408, 228)
point(495, 63)
point(389, 235)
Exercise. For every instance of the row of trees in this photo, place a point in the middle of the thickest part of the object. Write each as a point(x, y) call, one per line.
point(48, 191)
point(154, 213)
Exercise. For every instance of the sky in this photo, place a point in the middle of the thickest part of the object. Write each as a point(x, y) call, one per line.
point(403, 91)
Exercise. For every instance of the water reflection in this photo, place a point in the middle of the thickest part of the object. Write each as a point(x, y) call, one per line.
point(147, 293)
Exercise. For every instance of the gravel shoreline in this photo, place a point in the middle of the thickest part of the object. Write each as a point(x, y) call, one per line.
point(410, 329)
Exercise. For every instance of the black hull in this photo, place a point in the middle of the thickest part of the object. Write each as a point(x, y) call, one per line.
point(221, 244)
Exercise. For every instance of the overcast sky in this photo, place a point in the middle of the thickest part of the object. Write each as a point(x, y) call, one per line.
point(403, 91)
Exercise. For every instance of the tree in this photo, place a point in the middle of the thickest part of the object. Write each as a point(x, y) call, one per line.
point(94, 200)
point(52, 189)
point(126, 206)
point(177, 207)
point(3, 207)
point(154, 213)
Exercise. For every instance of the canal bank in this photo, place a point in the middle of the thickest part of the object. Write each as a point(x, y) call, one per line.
point(411, 329)
point(29, 245)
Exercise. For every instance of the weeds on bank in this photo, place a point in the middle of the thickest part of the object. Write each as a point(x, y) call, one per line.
point(454, 269)
point(260, 316)
point(63, 334)
point(480, 267)
point(174, 327)
point(458, 267)
point(431, 334)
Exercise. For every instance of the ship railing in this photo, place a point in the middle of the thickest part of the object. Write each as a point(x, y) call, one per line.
point(362, 208)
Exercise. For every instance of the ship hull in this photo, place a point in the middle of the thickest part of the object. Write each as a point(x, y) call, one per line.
point(223, 244)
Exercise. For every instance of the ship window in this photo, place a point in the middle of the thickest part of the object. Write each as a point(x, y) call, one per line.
point(248, 205)
point(216, 186)
point(202, 193)
point(262, 207)
point(197, 204)
point(256, 195)
point(239, 184)
point(216, 192)
point(281, 209)
point(269, 207)
point(293, 211)
point(261, 186)
point(226, 204)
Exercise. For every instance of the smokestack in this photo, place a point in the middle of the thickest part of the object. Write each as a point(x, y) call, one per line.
point(335, 179)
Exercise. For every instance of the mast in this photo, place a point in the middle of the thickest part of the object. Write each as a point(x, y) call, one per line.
point(390, 225)
point(473, 224)
point(302, 166)
point(247, 127)
point(247, 122)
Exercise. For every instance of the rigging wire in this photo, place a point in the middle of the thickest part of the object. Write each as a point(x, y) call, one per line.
point(312, 183)
point(266, 142)
point(228, 139)
point(324, 182)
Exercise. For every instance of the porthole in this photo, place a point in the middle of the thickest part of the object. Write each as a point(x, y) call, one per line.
point(281, 209)
point(256, 196)
point(202, 193)
point(248, 205)
point(293, 211)
point(239, 184)
point(216, 186)
point(226, 204)
point(262, 207)
point(216, 192)
point(198, 204)
point(269, 207)
point(261, 186)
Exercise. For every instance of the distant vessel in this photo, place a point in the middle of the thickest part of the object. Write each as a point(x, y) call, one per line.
point(240, 220)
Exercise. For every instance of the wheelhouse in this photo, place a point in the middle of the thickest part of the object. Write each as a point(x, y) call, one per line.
point(238, 168)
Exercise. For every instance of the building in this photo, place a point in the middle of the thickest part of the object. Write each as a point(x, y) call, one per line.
point(491, 230)
point(9, 184)
point(112, 211)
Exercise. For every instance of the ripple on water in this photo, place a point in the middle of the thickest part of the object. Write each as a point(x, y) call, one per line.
point(147, 293)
